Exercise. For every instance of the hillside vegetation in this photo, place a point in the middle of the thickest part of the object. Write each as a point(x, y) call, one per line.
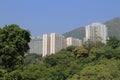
point(76, 33)
point(92, 61)
point(113, 29)
point(89, 62)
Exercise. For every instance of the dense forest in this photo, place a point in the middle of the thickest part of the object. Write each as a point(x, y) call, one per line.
point(92, 61)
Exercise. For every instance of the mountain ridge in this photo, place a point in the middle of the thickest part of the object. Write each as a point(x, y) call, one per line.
point(113, 29)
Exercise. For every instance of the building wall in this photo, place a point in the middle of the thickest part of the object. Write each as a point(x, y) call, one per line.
point(69, 41)
point(54, 42)
point(57, 42)
point(72, 41)
point(36, 45)
point(96, 32)
point(46, 45)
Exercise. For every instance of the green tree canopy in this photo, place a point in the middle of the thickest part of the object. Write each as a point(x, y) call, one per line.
point(80, 51)
point(13, 46)
point(113, 42)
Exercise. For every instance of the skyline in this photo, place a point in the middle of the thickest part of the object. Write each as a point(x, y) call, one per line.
point(47, 16)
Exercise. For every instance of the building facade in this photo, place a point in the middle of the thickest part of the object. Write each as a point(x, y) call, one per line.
point(96, 32)
point(74, 42)
point(53, 43)
point(57, 42)
point(35, 45)
point(46, 45)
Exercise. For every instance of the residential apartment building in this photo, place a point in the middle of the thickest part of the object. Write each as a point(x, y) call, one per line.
point(46, 45)
point(96, 32)
point(53, 43)
point(57, 42)
point(35, 45)
point(72, 41)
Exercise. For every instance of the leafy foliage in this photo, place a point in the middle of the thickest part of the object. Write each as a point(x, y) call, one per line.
point(13, 46)
point(64, 65)
point(31, 58)
point(113, 42)
point(96, 62)
point(105, 70)
point(80, 51)
point(90, 44)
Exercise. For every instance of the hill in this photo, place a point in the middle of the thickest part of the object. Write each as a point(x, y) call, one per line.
point(113, 29)
point(76, 33)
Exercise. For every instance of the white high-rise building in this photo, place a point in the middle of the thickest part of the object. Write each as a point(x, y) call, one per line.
point(96, 32)
point(74, 42)
point(53, 43)
point(57, 42)
point(46, 45)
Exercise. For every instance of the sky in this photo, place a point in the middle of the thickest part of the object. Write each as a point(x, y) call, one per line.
point(59, 16)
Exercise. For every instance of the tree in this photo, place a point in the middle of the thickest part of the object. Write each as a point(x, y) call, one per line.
point(31, 58)
point(74, 77)
point(13, 46)
point(113, 42)
point(80, 51)
point(116, 53)
point(70, 48)
point(90, 44)
point(105, 69)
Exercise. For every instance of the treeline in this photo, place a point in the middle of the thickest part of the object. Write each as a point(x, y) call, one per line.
point(92, 61)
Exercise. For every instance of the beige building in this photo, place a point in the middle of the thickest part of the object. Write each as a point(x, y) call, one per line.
point(74, 42)
point(96, 32)
point(46, 45)
point(53, 43)
point(57, 42)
